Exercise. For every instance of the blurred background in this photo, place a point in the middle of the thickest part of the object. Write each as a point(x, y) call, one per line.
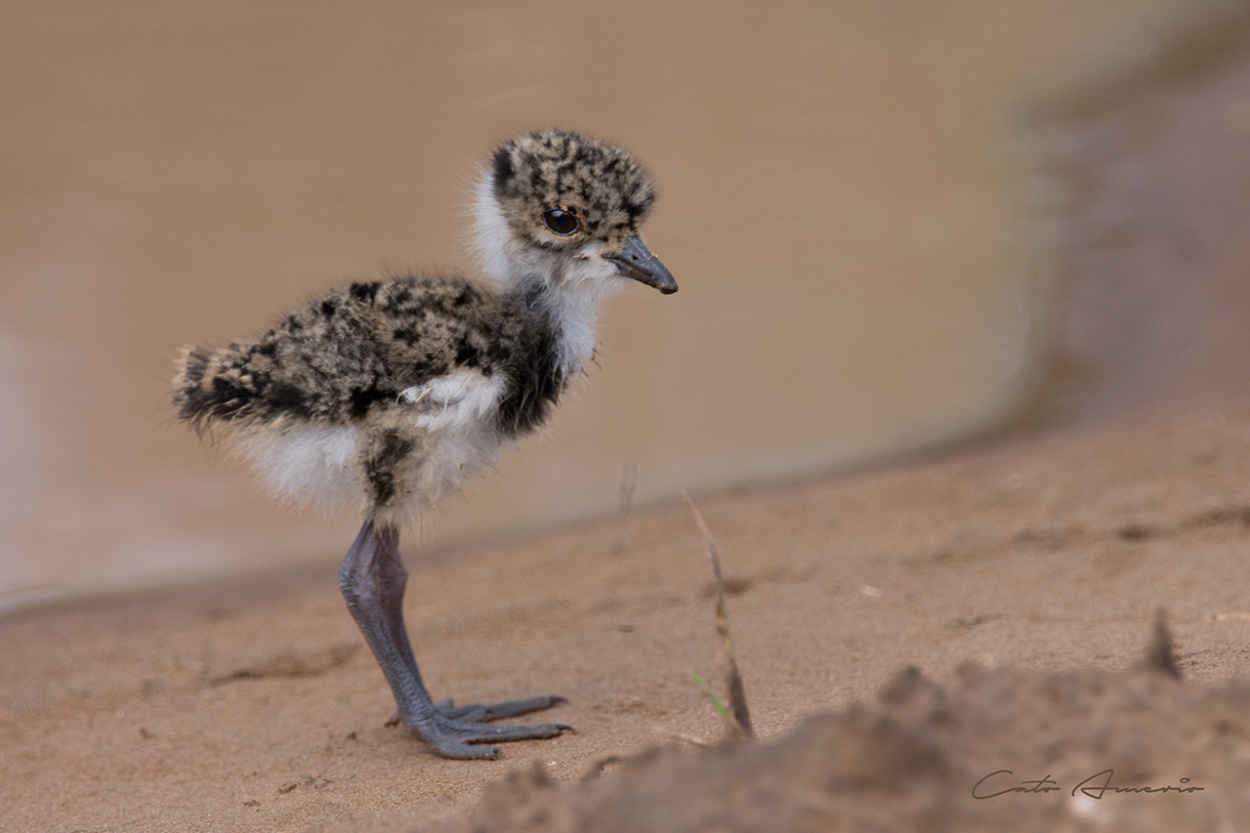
point(897, 225)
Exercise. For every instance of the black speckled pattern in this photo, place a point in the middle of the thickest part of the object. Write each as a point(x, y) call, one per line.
point(353, 351)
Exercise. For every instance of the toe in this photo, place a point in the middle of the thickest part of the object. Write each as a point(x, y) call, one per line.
point(486, 733)
point(450, 747)
point(497, 711)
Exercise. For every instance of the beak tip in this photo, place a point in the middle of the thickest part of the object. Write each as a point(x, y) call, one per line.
point(635, 261)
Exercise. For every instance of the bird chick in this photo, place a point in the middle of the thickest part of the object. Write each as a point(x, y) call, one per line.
point(383, 396)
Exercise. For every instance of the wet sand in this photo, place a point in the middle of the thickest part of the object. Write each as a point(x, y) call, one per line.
point(254, 705)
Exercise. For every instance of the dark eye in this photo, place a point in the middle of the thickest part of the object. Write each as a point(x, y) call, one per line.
point(560, 222)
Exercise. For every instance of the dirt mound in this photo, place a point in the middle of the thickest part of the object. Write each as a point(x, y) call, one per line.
point(989, 750)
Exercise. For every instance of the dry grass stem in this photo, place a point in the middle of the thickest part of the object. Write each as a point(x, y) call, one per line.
point(738, 715)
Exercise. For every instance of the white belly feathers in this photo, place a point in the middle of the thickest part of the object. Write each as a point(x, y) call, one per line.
point(450, 420)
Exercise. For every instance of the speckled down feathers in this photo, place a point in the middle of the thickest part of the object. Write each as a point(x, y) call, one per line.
point(385, 395)
point(356, 349)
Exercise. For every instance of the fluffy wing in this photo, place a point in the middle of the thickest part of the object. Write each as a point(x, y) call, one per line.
point(358, 348)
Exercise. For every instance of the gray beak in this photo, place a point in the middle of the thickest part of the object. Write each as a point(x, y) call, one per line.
point(636, 261)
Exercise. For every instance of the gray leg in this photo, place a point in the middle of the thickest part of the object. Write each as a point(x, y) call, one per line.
point(373, 579)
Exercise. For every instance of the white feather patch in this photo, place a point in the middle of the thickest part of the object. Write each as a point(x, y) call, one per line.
point(308, 464)
point(322, 465)
point(454, 402)
point(492, 235)
point(575, 310)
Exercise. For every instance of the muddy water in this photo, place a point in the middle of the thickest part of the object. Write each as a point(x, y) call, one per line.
point(848, 200)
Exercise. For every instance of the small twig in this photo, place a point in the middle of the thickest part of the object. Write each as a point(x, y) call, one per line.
point(739, 715)
point(629, 477)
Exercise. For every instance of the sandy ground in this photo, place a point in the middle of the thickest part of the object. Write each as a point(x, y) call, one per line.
point(254, 705)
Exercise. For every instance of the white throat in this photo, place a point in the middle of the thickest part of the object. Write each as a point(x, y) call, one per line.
point(574, 310)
